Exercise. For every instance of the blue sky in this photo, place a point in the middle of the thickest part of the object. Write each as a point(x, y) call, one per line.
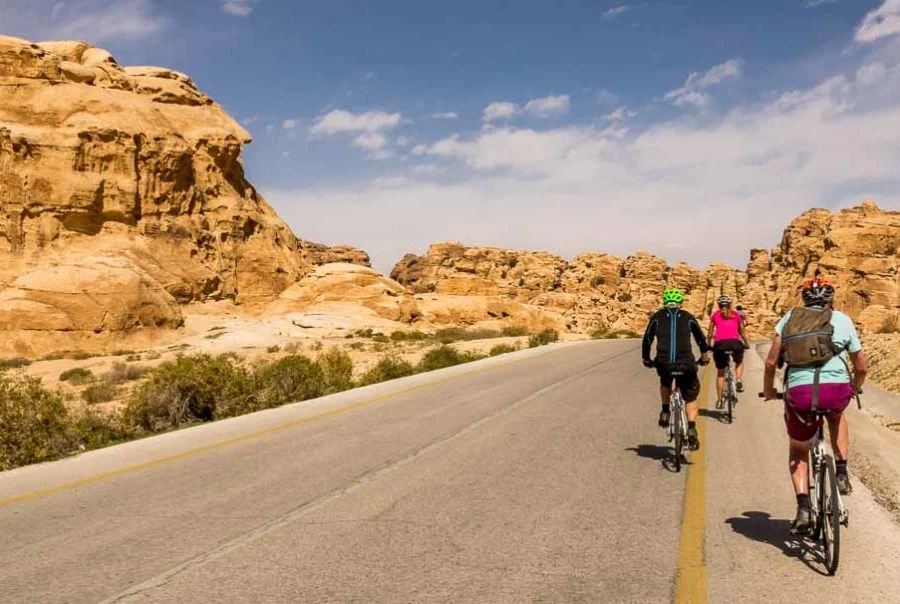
point(695, 130)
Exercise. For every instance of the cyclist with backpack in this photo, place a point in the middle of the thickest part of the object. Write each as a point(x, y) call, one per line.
point(726, 334)
point(812, 341)
point(672, 328)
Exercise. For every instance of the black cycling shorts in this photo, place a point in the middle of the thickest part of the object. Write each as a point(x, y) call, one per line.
point(689, 383)
point(719, 350)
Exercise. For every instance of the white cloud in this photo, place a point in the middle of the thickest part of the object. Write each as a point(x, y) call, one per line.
point(270, 128)
point(339, 121)
point(760, 163)
point(548, 106)
point(619, 115)
point(249, 121)
point(499, 110)
point(285, 154)
point(97, 21)
point(446, 115)
point(607, 98)
point(871, 73)
point(239, 8)
point(420, 149)
point(57, 9)
point(428, 169)
point(615, 11)
point(402, 141)
point(690, 93)
point(289, 124)
point(371, 141)
point(880, 23)
point(815, 3)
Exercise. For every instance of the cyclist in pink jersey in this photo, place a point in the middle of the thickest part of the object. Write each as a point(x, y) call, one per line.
point(726, 333)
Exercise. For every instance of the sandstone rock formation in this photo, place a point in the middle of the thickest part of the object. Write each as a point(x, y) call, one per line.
point(122, 195)
point(858, 249)
point(342, 290)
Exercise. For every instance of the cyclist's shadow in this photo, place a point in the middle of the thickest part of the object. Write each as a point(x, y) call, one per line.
point(720, 415)
point(760, 526)
point(663, 454)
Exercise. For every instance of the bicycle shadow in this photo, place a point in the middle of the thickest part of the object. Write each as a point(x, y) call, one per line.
point(761, 527)
point(720, 415)
point(663, 454)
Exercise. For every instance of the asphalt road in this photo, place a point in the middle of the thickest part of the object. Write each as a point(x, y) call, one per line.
point(536, 477)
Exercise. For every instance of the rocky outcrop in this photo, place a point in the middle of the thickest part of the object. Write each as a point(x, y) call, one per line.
point(857, 248)
point(131, 179)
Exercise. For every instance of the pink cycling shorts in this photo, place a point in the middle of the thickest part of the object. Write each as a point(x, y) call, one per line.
point(803, 425)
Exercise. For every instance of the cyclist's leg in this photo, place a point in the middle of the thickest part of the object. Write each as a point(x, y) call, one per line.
point(837, 397)
point(721, 361)
point(689, 384)
point(665, 394)
point(739, 366)
point(801, 428)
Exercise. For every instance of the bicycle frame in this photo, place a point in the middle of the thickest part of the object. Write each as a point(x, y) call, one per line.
point(818, 453)
point(677, 405)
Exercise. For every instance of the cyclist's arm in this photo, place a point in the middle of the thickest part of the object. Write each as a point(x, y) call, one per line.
point(771, 367)
point(742, 334)
point(860, 368)
point(698, 336)
point(649, 336)
point(712, 334)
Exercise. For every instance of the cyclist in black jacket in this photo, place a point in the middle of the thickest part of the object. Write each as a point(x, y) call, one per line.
point(672, 328)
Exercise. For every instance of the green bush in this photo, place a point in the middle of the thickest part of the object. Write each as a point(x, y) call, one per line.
point(187, 390)
point(289, 380)
point(14, 363)
point(444, 356)
point(53, 356)
point(33, 422)
point(131, 358)
point(502, 349)
point(273, 349)
point(602, 334)
point(122, 373)
point(413, 336)
point(121, 353)
point(77, 377)
point(101, 392)
point(448, 335)
point(388, 368)
point(364, 333)
point(338, 368)
point(381, 338)
point(514, 331)
point(94, 430)
point(548, 336)
point(81, 356)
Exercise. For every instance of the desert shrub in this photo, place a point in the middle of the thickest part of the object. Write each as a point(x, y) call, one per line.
point(14, 363)
point(93, 430)
point(364, 333)
point(53, 356)
point(338, 368)
point(293, 347)
point(81, 356)
point(131, 358)
point(272, 349)
point(357, 346)
point(121, 373)
point(381, 338)
point(100, 392)
point(448, 335)
point(502, 349)
point(388, 368)
point(512, 262)
point(603, 334)
point(444, 356)
point(413, 336)
point(121, 353)
point(152, 355)
point(548, 336)
point(34, 423)
point(289, 380)
point(514, 331)
point(77, 377)
point(890, 325)
point(187, 390)
point(317, 346)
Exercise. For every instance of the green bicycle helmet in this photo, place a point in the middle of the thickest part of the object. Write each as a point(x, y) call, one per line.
point(673, 296)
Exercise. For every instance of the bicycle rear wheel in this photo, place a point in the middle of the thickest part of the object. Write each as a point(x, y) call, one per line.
point(830, 515)
point(730, 398)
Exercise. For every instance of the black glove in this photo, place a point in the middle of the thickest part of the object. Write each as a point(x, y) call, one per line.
point(648, 363)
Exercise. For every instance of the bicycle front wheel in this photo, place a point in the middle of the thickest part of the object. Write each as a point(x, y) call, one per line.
point(731, 397)
point(830, 515)
point(679, 438)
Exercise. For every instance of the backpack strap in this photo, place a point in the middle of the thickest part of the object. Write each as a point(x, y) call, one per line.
point(815, 390)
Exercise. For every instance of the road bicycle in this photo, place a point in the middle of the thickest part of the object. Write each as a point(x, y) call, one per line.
point(678, 424)
point(730, 398)
point(826, 505)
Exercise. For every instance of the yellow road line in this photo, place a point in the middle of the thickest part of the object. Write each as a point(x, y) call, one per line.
point(691, 582)
point(252, 435)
